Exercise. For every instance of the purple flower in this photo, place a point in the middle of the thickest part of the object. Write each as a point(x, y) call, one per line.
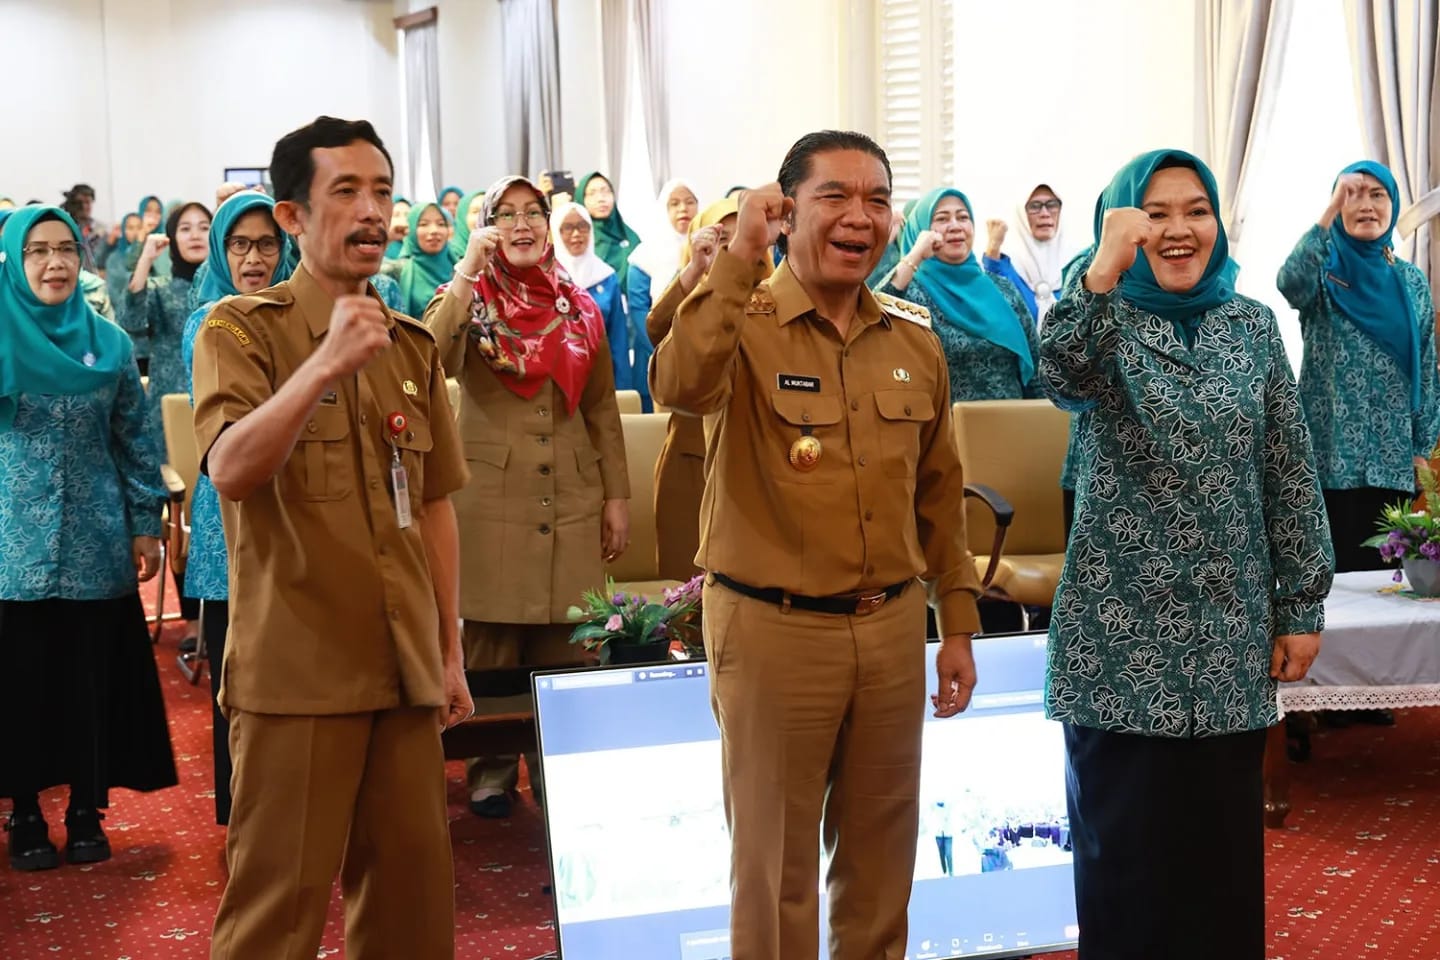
point(615, 623)
point(1399, 576)
point(618, 599)
point(1430, 550)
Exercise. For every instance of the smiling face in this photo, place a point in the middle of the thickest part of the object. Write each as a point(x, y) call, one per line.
point(252, 270)
point(599, 198)
point(575, 233)
point(681, 207)
point(523, 240)
point(841, 221)
point(951, 219)
point(1186, 228)
point(1042, 211)
point(52, 261)
point(1367, 217)
point(192, 236)
point(451, 203)
point(432, 231)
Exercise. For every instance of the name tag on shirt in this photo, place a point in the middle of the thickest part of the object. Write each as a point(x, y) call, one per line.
point(793, 381)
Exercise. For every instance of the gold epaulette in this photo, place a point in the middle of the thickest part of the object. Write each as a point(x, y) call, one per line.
point(903, 309)
point(761, 301)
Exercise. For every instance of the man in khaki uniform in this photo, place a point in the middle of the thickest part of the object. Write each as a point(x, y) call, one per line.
point(324, 423)
point(833, 483)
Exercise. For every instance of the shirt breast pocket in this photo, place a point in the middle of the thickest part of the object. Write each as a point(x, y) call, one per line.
point(322, 467)
point(414, 445)
point(801, 415)
point(902, 412)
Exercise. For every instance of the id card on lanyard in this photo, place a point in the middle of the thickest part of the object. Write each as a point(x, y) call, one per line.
point(399, 481)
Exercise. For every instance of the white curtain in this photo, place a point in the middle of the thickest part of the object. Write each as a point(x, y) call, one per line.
point(422, 110)
point(531, 65)
point(1243, 52)
point(650, 54)
point(1393, 55)
point(615, 59)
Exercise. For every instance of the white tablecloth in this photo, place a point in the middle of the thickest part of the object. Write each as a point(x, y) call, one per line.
point(1378, 651)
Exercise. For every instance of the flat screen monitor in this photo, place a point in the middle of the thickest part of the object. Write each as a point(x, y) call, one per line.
point(640, 854)
point(249, 176)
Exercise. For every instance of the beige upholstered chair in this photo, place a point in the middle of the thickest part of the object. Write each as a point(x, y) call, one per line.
point(1016, 449)
point(637, 569)
point(181, 467)
point(628, 401)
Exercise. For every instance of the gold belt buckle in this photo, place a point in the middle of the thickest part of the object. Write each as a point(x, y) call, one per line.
point(869, 603)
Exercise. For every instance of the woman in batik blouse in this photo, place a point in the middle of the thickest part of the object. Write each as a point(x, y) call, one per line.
point(1195, 576)
point(983, 324)
point(1368, 382)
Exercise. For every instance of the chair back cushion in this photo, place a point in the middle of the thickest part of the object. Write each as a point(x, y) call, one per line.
point(1016, 447)
point(182, 453)
point(644, 436)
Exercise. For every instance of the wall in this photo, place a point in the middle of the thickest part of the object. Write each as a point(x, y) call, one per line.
point(159, 96)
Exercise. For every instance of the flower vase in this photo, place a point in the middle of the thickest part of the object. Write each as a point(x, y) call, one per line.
point(657, 651)
point(1424, 576)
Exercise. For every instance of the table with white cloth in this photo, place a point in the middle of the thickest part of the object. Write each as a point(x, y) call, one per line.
point(1380, 651)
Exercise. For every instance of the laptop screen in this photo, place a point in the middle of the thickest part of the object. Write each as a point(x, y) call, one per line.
point(640, 855)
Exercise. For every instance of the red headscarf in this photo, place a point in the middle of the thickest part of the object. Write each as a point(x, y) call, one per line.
point(533, 323)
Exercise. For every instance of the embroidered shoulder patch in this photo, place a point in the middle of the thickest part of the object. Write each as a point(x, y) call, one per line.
point(903, 309)
point(234, 329)
point(760, 302)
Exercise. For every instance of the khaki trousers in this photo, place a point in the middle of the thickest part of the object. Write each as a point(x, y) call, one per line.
point(358, 794)
point(489, 646)
point(820, 719)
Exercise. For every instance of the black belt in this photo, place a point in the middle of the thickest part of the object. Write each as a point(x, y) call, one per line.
point(851, 604)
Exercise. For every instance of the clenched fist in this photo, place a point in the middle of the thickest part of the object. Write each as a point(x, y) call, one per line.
point(762, 211)
point(995, 231)
point(1122, 233)
point(357, 335)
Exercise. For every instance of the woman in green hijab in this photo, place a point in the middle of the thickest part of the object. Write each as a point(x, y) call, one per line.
point(80, 700)
point(467, 214)
point(614, 240)
point(981, 319)
point(425, 258)
point(449, 201)
point(1195, 576)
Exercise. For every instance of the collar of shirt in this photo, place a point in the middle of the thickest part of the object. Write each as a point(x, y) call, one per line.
point(316, 304)
point(792, 302)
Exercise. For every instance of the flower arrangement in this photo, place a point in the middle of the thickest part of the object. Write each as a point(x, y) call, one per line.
point(616, 619)
point(1410, 534)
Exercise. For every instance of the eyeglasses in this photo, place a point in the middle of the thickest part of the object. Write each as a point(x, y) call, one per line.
point(581, 227)
point(41, 252)
point(1035, 206)
point(506, 218)
point(268, 246)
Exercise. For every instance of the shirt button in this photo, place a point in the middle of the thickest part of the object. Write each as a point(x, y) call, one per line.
point(312, 426)
point(410, 434)
point(543, 441)
point(854, 404)
point(545, 470)
point(384, 550)
point(845, 354)
point(374, 484)
point(862, 461)
point(394, 614)
point(545, 501)
point(869, 514)
point(544, 528)
point(805, 417)
point(364, 419)
point(907, 411)
point(543, 411)
point(869, 571)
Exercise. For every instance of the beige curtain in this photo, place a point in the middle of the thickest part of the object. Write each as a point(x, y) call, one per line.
point(1393, 55)
point(615, 61)
point(650, 53)
point(422, 110)
point(1243, 50)
point(531, 66)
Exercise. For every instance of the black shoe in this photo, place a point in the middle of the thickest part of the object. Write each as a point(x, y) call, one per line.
point(85, 842)
point(496, 807)
point(189, 644)
point(30, 846)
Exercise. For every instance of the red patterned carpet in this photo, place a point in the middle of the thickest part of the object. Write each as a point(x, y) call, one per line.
point(1357, 874)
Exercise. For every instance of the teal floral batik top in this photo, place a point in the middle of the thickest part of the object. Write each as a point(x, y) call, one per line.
point(79, 479)
point(158, 312)
point(1200, 532)
point(1357, 400)
point(979, 369)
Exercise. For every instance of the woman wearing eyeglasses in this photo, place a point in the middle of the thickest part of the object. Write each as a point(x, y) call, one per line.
point(1039, 257)
point(156, 308)
point(80, 501)
point(547, 502)
point(987, 332)
point(248, 252)
point(573, 235)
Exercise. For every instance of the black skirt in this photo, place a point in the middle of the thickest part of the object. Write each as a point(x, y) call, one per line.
point(80, 700)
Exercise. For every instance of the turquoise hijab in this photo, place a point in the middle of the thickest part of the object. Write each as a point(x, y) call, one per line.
point(1366, 286)
point(422, 272)
point(965, 296)
point(62, 349)
point(140, 211)
point(446, 192)
point(216, 283)
point(122, 245)
point(461, 238)
point(392, 249)
point(1216, 285)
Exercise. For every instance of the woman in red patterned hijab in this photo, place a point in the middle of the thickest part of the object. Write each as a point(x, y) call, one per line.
point(548, 499)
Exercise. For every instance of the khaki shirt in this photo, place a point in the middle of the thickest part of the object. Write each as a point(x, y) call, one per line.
point(332, 609)
point(885, 502)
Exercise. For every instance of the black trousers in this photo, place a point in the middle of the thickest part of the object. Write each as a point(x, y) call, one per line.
point(189, 606)
point(1352, 515)
point(1169, 845)
point(215, 622)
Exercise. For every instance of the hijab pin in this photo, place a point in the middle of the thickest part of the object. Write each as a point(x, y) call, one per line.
point(562, 304)
point(88, 359)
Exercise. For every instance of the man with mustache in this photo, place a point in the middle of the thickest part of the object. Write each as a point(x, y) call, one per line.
point(833, 483)
point(323, 421)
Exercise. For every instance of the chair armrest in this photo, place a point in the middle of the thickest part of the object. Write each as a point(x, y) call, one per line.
point(1004, 514)
point(176, 528)
point(174, 486)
